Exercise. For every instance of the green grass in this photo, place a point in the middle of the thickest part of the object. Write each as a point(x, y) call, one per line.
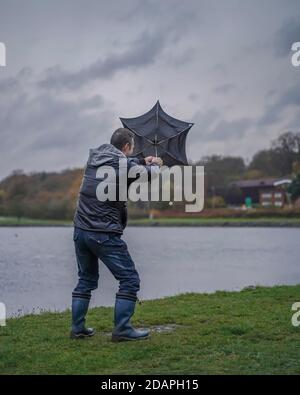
point(13, 221)
point(220, 221)
point(247, 332)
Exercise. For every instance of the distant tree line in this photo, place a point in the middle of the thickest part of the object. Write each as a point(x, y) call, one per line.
point(282, 159)
point(54, 195)
point(40, 195)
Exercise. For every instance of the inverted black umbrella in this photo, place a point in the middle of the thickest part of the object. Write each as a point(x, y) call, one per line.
point(159, 134)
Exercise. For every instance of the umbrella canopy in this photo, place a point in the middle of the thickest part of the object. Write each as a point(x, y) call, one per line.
point(159, 134)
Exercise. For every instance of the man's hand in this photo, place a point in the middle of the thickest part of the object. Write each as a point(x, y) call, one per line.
point(157, 160)
point(148, 160)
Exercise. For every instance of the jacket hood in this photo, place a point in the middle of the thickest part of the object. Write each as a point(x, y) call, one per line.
point(105, 154)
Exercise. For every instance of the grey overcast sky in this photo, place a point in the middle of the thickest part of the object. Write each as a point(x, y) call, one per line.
point(74, 67)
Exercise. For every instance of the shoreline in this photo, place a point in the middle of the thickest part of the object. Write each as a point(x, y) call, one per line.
point(167, 222)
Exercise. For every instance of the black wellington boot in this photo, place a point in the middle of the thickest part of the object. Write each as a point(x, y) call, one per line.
point(79, 309)
point(123, 331)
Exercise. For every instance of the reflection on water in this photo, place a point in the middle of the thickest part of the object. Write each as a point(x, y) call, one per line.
point(38, 270)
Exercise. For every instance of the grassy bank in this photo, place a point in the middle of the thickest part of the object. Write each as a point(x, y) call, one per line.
point(13, 221)
point(243, 332)
point(219, 221)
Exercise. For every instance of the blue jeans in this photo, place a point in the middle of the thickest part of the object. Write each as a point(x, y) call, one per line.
point(112, 251)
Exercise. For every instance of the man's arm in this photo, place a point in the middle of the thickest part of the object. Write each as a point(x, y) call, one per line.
point(137, 161)
point(150, 164)
point(149, 160)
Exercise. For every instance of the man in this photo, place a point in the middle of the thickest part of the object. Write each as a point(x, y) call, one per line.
point(98, 226)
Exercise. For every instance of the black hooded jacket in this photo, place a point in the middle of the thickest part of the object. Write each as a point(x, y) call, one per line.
point(104, 216)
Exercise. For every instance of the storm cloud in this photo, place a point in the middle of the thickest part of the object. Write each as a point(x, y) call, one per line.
point(143, 52)
point(286, 35)
point(75, 67)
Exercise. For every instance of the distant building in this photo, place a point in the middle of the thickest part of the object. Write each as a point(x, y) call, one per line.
point(267, 192)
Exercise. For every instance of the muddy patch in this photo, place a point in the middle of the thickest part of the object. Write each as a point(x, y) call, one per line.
point(164, 328)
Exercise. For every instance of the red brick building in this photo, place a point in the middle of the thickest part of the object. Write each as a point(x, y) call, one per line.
point(268, 192)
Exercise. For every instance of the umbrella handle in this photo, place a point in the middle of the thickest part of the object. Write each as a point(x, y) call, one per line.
point(155, 145)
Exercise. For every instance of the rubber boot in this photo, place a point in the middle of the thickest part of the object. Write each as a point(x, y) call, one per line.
point(79, 310)
point(123, 331)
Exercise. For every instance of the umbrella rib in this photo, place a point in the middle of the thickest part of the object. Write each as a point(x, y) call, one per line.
point(172, 156)
point(140, 152)
point(137, 133)
point(176, 135)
